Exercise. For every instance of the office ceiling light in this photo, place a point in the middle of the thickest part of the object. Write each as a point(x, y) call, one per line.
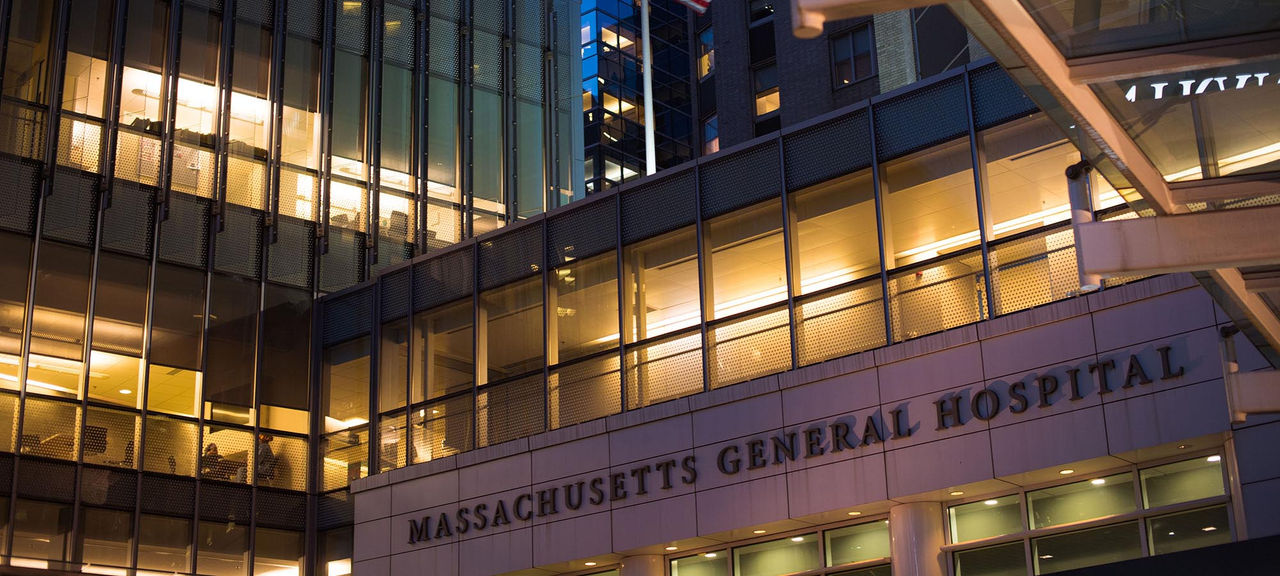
point(671, 548)
point(589, 563)
point(709, 555)
point(1208, 528)
point(1214, 458)
point(957, 492)
point(757, 531)
point(797, 539)
point(1098, 481)
point(126, 391)
point(991, 502)
point(855, 513)
point(1066, 471)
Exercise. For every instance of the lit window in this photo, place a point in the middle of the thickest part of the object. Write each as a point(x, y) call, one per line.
point(706, 53)
point(851, 56)
point(766, 88)
point(710, 136)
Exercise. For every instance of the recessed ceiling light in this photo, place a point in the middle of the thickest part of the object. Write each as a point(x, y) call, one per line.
point(1046, 556)
point(991, 502)
point(797, 539)
point(709, 555)
point(1066, 471)
point(1208, 528)
point(127, 391)
point(855, 513)
point(757, 531)
point(671, 548)
point(1171, 533)
point(957, 492)
point(1183, 446)
point(589, 563)
point(1214, 458)
point(1098, 481)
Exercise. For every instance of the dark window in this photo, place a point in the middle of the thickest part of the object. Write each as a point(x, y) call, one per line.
point(761, 9)
point(710, 136)
point(177, 317)
point(233, 332)
point(851, 56)
point(120, 305)
point(942, 43)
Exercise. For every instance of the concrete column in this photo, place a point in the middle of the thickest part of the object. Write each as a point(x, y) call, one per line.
point(646, 565)
point(916, 539)
point(1081, 213)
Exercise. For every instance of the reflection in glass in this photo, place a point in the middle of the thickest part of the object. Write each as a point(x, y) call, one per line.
point(393, 365)
point(41, 530)
point(1187, 530)
point(223, 548)
point(929, 204)
point(444, 357)
point(1072, 550)
point(1182, 481)
point(1003, 560)
point(990, 517)
point(110, 438)
point(344, 393)
point(283, 397)
point(857, 543)
point(785, 556)
point(513, 339)
point(1081, 501)
point(171, 446)
point(441, 428)
point(277, 552)
point(164, 544)
point(585, 299)
point(745, 264)
point(105, 537)
point(661, 285)
point(705, 564)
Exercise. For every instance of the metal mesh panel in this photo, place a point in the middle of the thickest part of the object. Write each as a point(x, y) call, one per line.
point(664, 369)
point(397, 41)
point(658, 207)
point(278, 509)
point(285, 466)
point(828, 150)
point(489, 15)
point(172, 496)
point(343, 265)
point(749, 347)
point(6, 473)
point(184, 237)
point(353, 26)
point(443, 279)
point(110, 437)
point(110, 488)
point(937, 297)
point(450, 9)
point(256, 11)
point(442, 429)
point(1028, 272)
point(127, 224)
point(921, 118)
point(212, 5)
point(224, 502)
point(49, 428)
point(840, 322)
point(395, 294)
point(291, 259)
point(583, 232)
point(996, 97)
point(529, 22)
point(348, 316)
point(487, 55)
point(528, 72)
point(239, 245)
point(80, 143)
point(305, 18)
point(334, 509)
point(18, 190)
point(70, 212)
point(511, 256)
point(444, 47)
point(740, 180)
point(585, 391)
point(171, 446)
point(46, 480)
point(511, 410)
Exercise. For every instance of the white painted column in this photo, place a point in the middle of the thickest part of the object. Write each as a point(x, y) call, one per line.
point(916, 539)
point(650, 145)
point(644, 565)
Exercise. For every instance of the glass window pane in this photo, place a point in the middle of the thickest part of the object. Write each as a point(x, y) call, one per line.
point(15, 259)
point(929, 204)
point(350, 87)
point(857, 543)
point(1072, 550)
point(177, 317)
point(1081, 501)
point(785, 556)
point(57, 319)
point(836, 238)
point(885, 570)
point(1002, 560)
point(120, 303)
point(487, 152)
point(8, 423)
point(26, 59)
point(335, 552)
point(227, 454)
point(391, 441)
point(4, 518)
point(513, 325)
point(345, 386)
point(749, 347)
point(171, 446)
point(442, 428)
point(393, 365)
point(300, 132)
point(586, 307)
point(110, 437)
point(164, 544)
point(281, 462)
point(224, 549)
point(105, 537)
point(40, 530)
point(663, 369)
point(747, 268)
point(173, 390)
point(705, 564)
point(442, 138)
point(346, 457)
point(443, 350)
point(661, 285)
point(1187, 530)
point(277, 552)
point(1025, 186)
point(286, 360)
point(1182, 481)
point(50, 428)
point(990, 517)
point(232, 338)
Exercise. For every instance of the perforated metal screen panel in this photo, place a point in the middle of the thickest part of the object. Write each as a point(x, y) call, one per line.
point(937, 297)
point(659, 207)
point(108, 488)
point(6, 473)
point(167, 495)
point(1029, 272)
point(18, 190)
point(256, 11)
point(224, 502)
point(45, 480)
point(280, 509)
point(828, 150)
point(348, 316)
point(353, 26)
point(305, 18)
point(921, 118)
point(996, 97)
point(395, 294)
point(583, 232)
point(489, 15)
point(344, 264)
point(443, 279)
point(184, 236)
point(128, 223)
point(70, 212)
point(664, 369)
point(511, 256)
point(170, 446)
point(511, 410)
point(740, 179)
point(397, 44)
point(291, 259)
point(585, 391)
point(749, 347)
point(334, 510)
point(489, 69)
point(446, 8)
point(840, 322)
point(445, 57)
point(238, 247)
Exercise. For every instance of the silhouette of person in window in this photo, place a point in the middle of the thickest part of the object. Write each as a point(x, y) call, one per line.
point(211, 464)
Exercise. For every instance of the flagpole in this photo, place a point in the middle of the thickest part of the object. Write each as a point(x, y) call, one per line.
point(650, 146)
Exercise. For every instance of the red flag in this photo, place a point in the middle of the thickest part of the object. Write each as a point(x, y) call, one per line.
point(699, 6)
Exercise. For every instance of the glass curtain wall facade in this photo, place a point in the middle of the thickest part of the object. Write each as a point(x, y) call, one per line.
point(182, 178)
point(790, 252)
point(613, 89)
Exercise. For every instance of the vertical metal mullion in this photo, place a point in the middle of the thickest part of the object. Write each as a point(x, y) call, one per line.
point(326, 120)
point(6, 8)
point(887, 307)
point(111, 112)
point(700, 235)
point(226, 52)
point(375, 356)
point(373, 142)
point(466, 82)
point(978, 166)
point(276, 98)
point(167, 116)
point(421, 99)
point(550, 115)
point(475, 345)
point(546, 321)
point(314, 480)
point(408, 386)
point(508, 67)
point(622, 301)
point(788, 253)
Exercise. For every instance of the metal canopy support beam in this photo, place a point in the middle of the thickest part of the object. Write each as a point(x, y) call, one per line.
point(1247, 392)
point(1183, 243)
